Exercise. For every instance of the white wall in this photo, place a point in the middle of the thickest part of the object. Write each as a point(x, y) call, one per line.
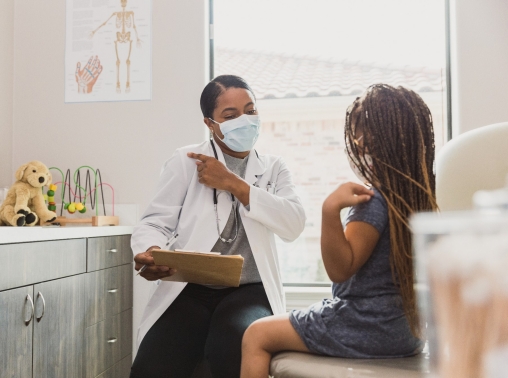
point(128, 141)
point(479, 35)
point(6, 83)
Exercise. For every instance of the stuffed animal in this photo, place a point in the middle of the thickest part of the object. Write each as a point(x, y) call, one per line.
point(24, 204)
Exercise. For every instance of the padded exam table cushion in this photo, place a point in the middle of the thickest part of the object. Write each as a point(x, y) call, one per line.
point(303, 365)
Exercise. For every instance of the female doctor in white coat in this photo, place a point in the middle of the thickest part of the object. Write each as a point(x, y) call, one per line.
point(220, 195)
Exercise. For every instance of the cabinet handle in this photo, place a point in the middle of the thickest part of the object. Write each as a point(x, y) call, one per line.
point(112, 340)
point(112, 291)
point(29, 298)
point(112, 250)
point(39, 294)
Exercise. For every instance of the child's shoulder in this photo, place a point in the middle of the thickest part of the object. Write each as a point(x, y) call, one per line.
point(377, 202)
point(377, 199)
point(374, 212)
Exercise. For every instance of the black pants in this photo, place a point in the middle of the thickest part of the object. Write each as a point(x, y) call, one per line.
point(201, 322)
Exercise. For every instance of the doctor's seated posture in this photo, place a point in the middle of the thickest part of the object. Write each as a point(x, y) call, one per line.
point(222, 196)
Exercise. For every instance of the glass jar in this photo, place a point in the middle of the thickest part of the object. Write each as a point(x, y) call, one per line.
point(462, 276)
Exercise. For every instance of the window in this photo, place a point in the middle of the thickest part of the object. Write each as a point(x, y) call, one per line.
point(307, 60)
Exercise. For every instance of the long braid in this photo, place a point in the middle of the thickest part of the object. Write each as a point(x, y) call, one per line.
point(399, 136)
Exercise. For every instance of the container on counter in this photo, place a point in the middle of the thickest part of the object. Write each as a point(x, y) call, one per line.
point(462, 280)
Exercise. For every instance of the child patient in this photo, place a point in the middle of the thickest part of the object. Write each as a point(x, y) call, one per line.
point(390, 145)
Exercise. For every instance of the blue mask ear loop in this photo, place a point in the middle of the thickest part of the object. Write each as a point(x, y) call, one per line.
point(215, 204)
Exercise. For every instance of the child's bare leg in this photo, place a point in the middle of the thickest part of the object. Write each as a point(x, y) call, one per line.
point(264, 337)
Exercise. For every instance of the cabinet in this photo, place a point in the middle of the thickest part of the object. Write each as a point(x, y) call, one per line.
point(108, 292)
point(108, 342)
point(58, 328)
point(73, 315)
point(30, 263)
point(16, 317)
point(121, 369)
point(108, 251)
point(43, 335)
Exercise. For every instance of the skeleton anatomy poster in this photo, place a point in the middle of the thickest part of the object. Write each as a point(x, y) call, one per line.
point(108, 53)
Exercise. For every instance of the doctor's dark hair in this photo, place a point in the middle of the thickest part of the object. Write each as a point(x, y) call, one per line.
point(215, 88)
point(398, 134)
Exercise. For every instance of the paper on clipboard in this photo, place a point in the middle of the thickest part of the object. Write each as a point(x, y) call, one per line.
point(201, 268)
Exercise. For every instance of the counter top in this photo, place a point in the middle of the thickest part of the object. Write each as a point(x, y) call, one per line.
point(32, 234)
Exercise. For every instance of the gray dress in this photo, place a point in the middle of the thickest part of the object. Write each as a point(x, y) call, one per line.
point(365, 318)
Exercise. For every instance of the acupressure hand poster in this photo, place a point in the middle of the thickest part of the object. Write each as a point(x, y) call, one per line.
point(108, 52)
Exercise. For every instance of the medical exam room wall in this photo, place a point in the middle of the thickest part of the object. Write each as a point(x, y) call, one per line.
point(128, 141)
point(6, 83)
point(479, 62)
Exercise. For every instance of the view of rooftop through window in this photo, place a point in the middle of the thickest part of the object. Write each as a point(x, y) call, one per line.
point(307, 60)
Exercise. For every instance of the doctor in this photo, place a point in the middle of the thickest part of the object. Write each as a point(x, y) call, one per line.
point(220, 195)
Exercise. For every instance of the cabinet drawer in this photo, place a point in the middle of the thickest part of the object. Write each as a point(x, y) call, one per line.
point(28, 263)
point(121, 369)
point(107, 342)
point(109, 251)
point(108, 292)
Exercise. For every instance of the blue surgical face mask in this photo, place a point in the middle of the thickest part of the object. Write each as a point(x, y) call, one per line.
point(240, 134)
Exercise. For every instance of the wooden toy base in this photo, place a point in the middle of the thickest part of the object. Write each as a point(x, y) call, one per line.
point(96, 221)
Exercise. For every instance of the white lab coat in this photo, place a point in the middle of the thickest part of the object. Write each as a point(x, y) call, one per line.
point(184, 206)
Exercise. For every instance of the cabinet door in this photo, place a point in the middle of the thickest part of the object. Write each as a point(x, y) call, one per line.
point(59, 328)
point(16, 318)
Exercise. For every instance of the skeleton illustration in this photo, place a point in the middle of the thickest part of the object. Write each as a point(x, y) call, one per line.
point(124, 21)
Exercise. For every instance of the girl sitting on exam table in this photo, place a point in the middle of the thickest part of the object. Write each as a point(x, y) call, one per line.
point(390, 143)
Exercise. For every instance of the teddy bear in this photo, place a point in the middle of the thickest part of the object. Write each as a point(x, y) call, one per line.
point(25, 204)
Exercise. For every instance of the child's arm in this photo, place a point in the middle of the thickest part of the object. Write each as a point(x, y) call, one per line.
point(345, 251)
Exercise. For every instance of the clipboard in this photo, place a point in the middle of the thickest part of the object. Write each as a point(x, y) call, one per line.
point(201, 268)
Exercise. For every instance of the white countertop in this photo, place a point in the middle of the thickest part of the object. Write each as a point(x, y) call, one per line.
point(31, 234)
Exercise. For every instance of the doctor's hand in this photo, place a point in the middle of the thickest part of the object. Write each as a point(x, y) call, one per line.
point(214, 174)
point(152, 272)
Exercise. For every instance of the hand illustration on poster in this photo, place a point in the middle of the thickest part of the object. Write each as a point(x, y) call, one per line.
point(87, 77)
point(124, 20)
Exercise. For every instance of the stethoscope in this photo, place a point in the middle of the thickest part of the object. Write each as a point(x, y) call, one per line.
point(215, 201)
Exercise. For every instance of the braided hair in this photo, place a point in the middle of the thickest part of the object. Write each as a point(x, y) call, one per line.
point(399, 136)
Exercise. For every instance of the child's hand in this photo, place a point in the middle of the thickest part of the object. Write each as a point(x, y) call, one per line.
point(346, 195)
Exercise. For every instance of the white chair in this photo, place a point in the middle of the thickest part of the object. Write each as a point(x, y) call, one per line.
point(475, 160)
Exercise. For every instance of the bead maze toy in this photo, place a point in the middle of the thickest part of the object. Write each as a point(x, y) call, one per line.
point(77, 198)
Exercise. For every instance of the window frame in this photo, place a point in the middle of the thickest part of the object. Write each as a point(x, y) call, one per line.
point(449, 129)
